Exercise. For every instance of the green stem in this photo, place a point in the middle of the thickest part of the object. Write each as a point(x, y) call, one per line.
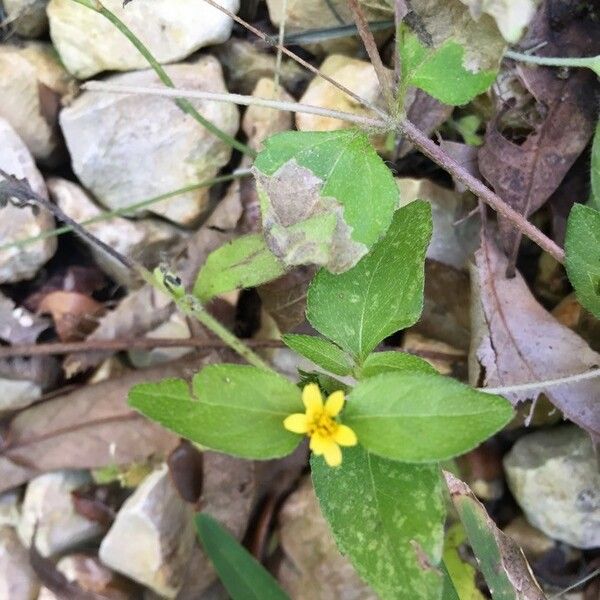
point(121, 211)
point(591, 62)
point(192, 307)
point(185, 105)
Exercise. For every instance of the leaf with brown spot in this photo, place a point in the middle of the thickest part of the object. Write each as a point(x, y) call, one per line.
point(516, 341)
point(89, 428)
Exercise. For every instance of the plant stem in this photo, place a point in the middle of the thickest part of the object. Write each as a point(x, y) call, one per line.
point(588, 61)
point(433, 151)
point(109, 214)
point(537, 385)
point(183, 104)
point(243, 100)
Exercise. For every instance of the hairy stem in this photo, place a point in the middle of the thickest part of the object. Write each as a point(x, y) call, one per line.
point(591, 62)
point(183, 104)
point(539, 385)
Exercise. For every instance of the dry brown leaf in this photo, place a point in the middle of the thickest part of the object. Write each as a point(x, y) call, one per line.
point(525, 175)
point(516, 341)
point(89, 428)
point(75, 315)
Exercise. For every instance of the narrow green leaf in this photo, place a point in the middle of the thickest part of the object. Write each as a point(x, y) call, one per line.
point(582, 246)
point(595, 171)
point(242, 263)
point(237, 409)
point(382, 293)
point(326, 197)
point(418, 417)
point(461, 573)
point(440, 71)
point(384, 362)
point(388, 518)
point(243, 577)
point(502, 562)
point(320, 351)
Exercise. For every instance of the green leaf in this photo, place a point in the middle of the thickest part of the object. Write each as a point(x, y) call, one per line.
point(461, 573)
point(388, 518)
point(326, 197)
point(417, 417)
point(440, 71)
point(242, 263)
point(502, 562)
point(595, 172)
point(582, 247)
point(237, 409)
point(384, 362)
point(243, 577)
point(382, 293)
point(320, 351)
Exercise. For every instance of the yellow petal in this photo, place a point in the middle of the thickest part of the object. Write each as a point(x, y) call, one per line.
point(335, 403)
point(297, 423)
point(318, 444)
point(344, 436)
point(333, 455)
point(311, 396)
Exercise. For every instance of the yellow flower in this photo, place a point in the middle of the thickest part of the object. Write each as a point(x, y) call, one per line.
point(319, 424)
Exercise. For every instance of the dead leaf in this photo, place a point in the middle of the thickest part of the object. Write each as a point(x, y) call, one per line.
point(74, 315)
point(525, 175)
point(91, 427)
point(499, 557)
point(516, 341)
point(465, 156)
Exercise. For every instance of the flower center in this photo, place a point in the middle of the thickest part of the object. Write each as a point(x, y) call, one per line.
point(323, 425)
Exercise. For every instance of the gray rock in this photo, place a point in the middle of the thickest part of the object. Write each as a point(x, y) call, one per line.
point(17, 579)
point(313, 568)
point(17, 264)
point(554, 477)
point(27, 17)
point(48, 504)
point(10, 508)
point(122, 142)
point(17, 393)
point(171, 29)
point(145, 240)
point(152, 538)
point(32, 83)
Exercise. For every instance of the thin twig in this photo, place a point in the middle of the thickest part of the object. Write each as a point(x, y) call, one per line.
point(52, 348)
point(265, 38)
point(280, 43)
point(591, 62)
point(433, 151)
point(102, 86)
point(538, 385)
point(371, 47)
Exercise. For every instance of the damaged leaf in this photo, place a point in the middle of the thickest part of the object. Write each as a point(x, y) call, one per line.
point(440, 71)
point(582, 246)
point(242, 263)
point(388, 517)
point(516, 341)
point(503, 563)
point(382, 293)
point(326, 197)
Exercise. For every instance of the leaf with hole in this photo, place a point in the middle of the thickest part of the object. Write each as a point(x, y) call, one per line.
point(388, 518)
point(382, 293)
point(236, 409)
point(418, 417)
point(242, 263)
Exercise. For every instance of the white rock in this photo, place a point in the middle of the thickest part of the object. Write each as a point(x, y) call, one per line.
point(48, 504)
point(144, 240)
point(119, 143)
point(27, 17)
point(259, 122)
point(17, 579)
point(17, 393)
point(554, 477)
point(313, 568)
point(171, 29)
point(152, 538)
point(32, 83)
point(17, 264)
point(10, 511)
